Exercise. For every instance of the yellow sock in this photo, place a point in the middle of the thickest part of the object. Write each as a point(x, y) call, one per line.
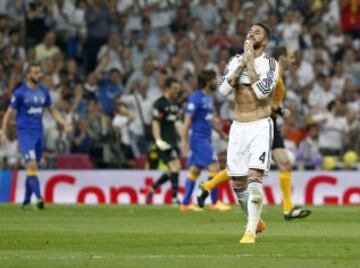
point(285, 185)
point(215, 181)
point(192, 176)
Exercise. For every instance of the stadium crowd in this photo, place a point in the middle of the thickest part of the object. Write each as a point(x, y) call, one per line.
point(105, 63)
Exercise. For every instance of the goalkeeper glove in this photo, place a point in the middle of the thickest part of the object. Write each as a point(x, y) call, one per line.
point(162, 145)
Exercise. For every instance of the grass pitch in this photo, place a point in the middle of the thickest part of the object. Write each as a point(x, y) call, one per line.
point(160, 236)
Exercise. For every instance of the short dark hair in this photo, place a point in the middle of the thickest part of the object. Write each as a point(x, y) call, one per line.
point(114, 70)
point(278, 52)
point(205, 76)
point(31, 65)
point(169, 81)
point(265, 28)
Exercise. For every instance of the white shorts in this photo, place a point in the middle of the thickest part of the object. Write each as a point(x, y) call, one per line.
point(249, 146)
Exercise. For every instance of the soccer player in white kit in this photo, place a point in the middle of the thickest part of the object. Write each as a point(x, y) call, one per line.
point(252, 76)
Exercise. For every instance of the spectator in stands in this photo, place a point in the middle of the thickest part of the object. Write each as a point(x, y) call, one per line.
point(37, 14)
point(122, 151)
point(207, 13)
point(352, 141)
point(61, 12)
point(302, 75)
point(309, 150)
point(98, 17)
point(321, 93)
point(127, 64)
point(47, 49)
point(110, 88)
point(146, 72)
point(140, 105)
point(181, 22)
point(17, 50)
point(290, 30)
point(139, 51)
point(112, 51)
point(81, 142)
point(334, 129)
point(197, 34)
point(10, 156)
point(150, 36)
point(338, 78)
point(351, 96)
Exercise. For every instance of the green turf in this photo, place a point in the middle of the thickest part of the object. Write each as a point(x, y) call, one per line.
point(159, 236)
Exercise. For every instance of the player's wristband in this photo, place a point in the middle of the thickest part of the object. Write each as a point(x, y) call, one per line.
point(225, 88)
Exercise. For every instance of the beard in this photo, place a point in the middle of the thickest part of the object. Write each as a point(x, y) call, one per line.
point(257, 45)
point(34, 80)
point(213, 88)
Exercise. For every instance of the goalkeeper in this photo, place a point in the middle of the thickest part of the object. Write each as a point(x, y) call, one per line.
point(166, 111)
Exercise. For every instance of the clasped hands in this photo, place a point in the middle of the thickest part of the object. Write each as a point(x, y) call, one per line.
point(246, 59)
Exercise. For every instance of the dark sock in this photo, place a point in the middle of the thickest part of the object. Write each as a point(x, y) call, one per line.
point(35, 185)
point(164, 178)
point(174, 183)
point(214, 195)
point(28, 191)
point(189, 188)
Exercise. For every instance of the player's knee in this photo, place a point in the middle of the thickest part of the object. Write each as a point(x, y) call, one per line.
point(255, 173)
point(282, 160)
point(239, 181)
point(213, 168)
point(174, 166)
point(212, 174)
point(284, 164)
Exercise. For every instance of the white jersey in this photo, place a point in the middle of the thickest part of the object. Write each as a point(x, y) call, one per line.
point(266, 68)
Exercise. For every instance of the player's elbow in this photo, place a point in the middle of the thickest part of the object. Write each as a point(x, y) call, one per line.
point(261, 91)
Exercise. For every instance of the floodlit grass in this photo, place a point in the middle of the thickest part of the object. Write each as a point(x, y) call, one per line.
point(161, 236)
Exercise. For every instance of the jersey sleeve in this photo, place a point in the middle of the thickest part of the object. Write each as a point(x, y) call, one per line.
point(158, 111)
point(224, 86)
point(16, 100)
point(268, 75)
point(191, 106)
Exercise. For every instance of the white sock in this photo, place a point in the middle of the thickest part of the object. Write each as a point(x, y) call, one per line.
point(242, 194)
point(254, 205)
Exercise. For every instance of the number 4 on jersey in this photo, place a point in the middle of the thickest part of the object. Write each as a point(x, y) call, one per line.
point(262, 157)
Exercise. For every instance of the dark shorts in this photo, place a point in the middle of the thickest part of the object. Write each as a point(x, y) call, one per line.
point(201, 153)
point(278, 142)
point(169, 155)
point(32, 146)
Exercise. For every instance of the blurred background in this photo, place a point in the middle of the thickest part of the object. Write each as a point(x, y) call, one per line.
point(105, 63)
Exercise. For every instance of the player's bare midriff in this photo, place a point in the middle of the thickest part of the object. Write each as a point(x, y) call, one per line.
point(247, 107)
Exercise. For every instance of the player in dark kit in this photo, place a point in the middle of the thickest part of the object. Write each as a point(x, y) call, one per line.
point(29, 101)
point(166, 113)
